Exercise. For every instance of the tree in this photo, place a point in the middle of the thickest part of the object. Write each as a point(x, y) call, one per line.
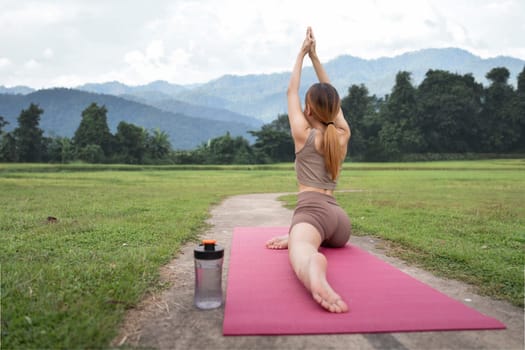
point(60, 150)
point(91, 154)
point(225, 150)
point(94, 130)
point(3, 123)
point(498, 75)
point(3, 141)
point(8, 151)
point(520, 107)
point(361, 111)
point(158, 145)
point(274, 142)
point(130, 142)
point(355, 107)
point(521, 82)
point(499, 122)
point(28, 135)
point(449, 107)
point(399, 132)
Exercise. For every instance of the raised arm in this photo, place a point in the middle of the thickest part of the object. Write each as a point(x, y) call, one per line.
point(318, 67)
point(298, 123)
point(340, 121)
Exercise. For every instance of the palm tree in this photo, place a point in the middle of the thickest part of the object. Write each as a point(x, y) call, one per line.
point(158, 144)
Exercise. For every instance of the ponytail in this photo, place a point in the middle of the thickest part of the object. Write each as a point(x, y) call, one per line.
point(324, 103)
point(333, 153)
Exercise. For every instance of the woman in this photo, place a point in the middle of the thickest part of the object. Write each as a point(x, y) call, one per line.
point(321, 136)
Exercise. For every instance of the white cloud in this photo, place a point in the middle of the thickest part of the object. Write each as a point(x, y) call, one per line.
point(70, 80)
point(155, 63)
point(31, 14)
point(4, 62)
point(31, 64)
point(155, 51)
point(48, 53)
point(186, 41)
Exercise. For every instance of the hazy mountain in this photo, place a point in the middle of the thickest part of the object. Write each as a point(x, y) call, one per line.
point(15, 90)
point(166, 103)
point(116, 88)
point(160, 94)
point(263, 96)
point(63, 109)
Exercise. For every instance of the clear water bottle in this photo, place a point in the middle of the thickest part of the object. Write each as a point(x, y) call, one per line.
point(208, 274)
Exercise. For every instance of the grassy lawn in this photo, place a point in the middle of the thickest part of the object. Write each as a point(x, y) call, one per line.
point(468, 224)
point(68, 284)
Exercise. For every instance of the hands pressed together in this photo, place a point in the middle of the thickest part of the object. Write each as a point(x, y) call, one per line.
point(308, 43)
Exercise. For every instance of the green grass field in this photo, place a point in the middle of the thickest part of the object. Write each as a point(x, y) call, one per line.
point(68, 284)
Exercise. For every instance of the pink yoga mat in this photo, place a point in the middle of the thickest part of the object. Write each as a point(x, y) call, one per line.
point(264, 297)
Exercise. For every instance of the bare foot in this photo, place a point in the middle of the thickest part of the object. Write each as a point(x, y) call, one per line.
point(321, 291)
point(280, 242)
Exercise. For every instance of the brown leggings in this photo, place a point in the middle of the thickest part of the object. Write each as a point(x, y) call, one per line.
point(322, 211)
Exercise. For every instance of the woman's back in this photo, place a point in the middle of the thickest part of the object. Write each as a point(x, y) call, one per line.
point(310, 165)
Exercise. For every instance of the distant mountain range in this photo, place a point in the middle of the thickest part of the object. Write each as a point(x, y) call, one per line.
point(191, 114)
point(263, 96)
point(63, 109)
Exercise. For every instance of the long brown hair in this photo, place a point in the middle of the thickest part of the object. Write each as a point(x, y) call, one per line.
point(324, 103)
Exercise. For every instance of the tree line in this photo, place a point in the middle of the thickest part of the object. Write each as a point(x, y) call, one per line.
point(446, 115)
point(91, 143)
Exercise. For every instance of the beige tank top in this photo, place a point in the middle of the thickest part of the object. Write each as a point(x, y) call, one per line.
point(310, 166)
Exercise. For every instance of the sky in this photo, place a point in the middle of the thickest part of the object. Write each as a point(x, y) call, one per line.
point(66, 43)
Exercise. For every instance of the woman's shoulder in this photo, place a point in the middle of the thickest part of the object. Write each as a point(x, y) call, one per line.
point(303, 137)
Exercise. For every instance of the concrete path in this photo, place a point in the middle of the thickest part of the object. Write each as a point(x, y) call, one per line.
point(169, 320)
